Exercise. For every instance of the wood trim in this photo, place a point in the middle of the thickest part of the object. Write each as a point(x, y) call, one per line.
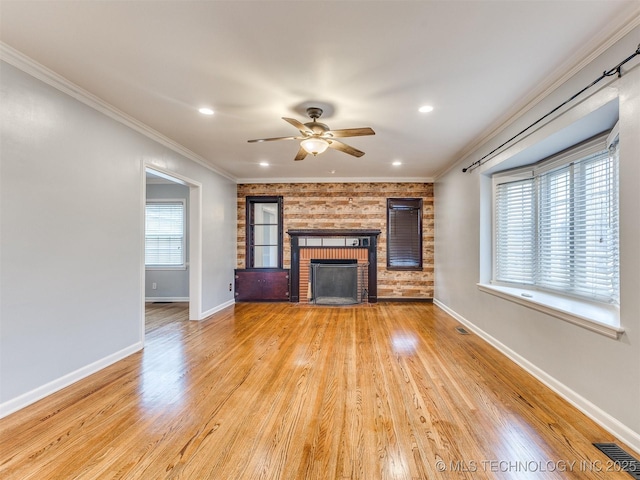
point(401, 242)
point(372, 277)
point(333, 232)
point(250, 201)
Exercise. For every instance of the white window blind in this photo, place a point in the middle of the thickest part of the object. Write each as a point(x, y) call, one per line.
point(164, 234)
point(515, 232)
point(559, 229)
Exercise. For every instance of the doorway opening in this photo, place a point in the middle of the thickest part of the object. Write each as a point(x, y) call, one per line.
point(172, 253)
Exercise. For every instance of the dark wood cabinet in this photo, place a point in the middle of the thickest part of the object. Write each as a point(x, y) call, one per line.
point(262, 284)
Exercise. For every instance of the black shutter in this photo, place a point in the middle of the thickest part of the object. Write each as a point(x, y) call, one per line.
point(404, 233)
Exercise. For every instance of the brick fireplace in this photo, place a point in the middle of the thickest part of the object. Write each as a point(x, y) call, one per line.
point(332, 244)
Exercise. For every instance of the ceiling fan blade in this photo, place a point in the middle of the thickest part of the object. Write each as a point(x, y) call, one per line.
point(301, 154)
point(343, 147)
point(299, 125)
point(351, 132)
point(274, 138)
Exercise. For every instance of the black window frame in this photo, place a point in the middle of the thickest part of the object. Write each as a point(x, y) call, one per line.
point(250, 202)
point(405, 248)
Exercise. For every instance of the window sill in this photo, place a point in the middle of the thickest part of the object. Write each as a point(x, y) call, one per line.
point(602, 319)
point(165, 267)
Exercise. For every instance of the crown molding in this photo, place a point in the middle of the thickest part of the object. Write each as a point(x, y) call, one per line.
point(29, 66)
point(619, 27)
point(241, 181)
point(22, 62)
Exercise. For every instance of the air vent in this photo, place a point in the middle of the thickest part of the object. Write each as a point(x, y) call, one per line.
point(461, 331)
point(621, 459)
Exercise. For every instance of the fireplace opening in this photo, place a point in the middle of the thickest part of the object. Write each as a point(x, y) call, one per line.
point(335, 281)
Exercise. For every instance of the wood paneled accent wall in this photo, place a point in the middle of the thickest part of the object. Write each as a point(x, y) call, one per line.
point(350, 205)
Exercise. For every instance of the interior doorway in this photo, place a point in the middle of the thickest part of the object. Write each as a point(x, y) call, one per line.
point(172, 260)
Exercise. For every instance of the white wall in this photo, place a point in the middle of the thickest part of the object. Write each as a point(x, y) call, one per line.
point(71, 227)
point(597, 373)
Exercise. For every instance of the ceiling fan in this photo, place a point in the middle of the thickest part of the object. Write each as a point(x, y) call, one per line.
point(316, 137)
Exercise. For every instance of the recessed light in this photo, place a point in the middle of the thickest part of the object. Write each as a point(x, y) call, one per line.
point(396, 163)
point(205, 111)
point(264, 164)
point(332, 171)
point(425, 109)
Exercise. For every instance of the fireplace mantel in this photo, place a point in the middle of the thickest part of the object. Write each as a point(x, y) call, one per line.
point(369, 241)
point(333, 232)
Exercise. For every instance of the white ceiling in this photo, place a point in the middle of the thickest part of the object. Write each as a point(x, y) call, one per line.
point(372, 62)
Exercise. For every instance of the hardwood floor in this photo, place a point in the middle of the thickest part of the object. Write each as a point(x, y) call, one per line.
point(159, 314)
point(284, 391)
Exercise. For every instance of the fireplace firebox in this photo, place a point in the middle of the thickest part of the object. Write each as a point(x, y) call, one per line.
point(335, 281)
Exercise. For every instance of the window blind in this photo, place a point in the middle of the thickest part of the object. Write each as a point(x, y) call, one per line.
point(404, 233)
point(515, 232)
point(164, 234)
point(559, 229)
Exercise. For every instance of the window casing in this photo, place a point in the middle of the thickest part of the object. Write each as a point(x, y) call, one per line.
point(404, 233)
point(264, 232)
point(556, 224)
point(165, 234)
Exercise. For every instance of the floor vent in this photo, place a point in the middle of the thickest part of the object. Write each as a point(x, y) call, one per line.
point(621, 459)
point(461, 331)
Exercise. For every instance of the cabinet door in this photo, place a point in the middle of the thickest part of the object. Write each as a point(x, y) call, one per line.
point(262, 285)
point(276, 286)
point(249, 286)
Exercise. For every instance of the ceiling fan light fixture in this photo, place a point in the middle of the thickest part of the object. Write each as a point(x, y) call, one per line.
point(314, 145)
point(316, 137)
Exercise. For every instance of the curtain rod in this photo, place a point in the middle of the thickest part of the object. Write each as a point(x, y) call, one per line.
point(607, 73)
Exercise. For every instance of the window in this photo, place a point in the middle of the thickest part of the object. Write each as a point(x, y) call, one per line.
point(264, 232)
point(404, 233)
point(556, 224)
point(165, 234)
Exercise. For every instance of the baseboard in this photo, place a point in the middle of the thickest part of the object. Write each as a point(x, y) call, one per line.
point(166, 299)
point(602, 418)
point(39, 393)
point(406, 299)
point(216, 309)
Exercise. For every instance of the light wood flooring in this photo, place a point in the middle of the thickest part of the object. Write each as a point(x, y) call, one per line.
point(159, 314)
point(285, 391)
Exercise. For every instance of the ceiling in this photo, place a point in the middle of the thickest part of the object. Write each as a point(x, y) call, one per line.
point(368, 63)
